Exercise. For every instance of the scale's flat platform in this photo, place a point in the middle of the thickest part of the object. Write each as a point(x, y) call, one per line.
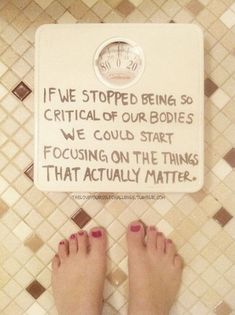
point(170, 160)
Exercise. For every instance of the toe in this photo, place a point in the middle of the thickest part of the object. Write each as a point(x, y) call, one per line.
point(83, 242)
point(135, 235)
point(55, 262)
point(178, 262)
point(170, 249)
point(73, 244)
point(97, 240)
point(151, 238)
point(160, 243)
point(63, 249)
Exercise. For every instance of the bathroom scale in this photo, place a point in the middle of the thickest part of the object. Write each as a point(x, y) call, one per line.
point(119, 108)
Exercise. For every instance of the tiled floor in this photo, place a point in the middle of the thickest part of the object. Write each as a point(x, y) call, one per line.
point(202, 224)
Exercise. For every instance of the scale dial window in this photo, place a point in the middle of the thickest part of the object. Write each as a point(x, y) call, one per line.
point(119, 63)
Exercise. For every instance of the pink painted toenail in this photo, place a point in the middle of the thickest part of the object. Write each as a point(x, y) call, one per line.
point(81, 232)
point(96, 233)
point(61, 242)
point(135, 228)
point(73, 236)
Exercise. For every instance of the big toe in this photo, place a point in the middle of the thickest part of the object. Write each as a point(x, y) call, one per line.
point(97, 240)
point(135, 237)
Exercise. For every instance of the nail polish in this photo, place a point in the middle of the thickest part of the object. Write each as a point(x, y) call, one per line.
point(97, 233)
point(72, 236)
point(135, 228)
point(81, 232)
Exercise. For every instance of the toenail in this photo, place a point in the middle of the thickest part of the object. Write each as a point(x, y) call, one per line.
point(96, 233)
point(159, 233)
point(152, 228)
point(73, 236)
point(61, 242)
point(135, 228)
point(81, 232)
point(169, 241)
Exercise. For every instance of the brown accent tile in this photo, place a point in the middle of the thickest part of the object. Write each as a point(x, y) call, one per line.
point(222, 216)
point(223, 309)
point(81, 218)
point(117, 277)
point(35, 289)
point(34, 242)
point(230, 157)
point(29, 172)
point(125, 7)
point(210, 87)
point(21, 91)
point(3, 207)
point(195, 7)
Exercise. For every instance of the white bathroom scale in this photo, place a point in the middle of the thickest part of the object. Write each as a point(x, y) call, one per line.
point(119, 108)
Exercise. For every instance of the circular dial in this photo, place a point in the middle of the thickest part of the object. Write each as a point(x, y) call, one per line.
point(119, 63)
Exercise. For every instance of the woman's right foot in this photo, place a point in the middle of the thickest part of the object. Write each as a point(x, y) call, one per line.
point(155, 271)
point(78, 273)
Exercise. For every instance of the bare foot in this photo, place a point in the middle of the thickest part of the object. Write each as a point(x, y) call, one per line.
point(154, 271)
point(78, 273)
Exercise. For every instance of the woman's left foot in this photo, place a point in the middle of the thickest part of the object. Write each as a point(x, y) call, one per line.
point(78, 273)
